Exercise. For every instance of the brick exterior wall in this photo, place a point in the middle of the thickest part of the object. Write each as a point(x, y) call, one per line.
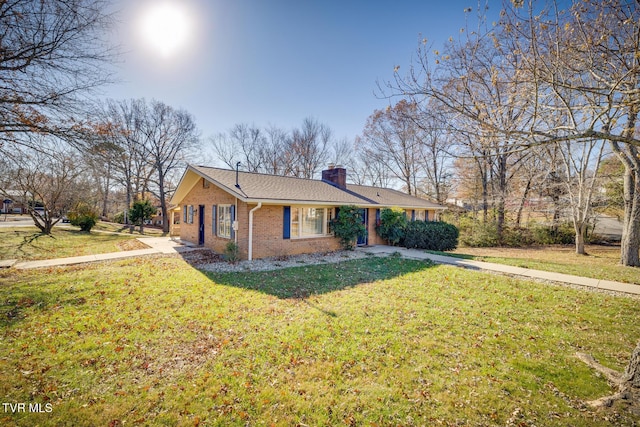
point(268, 232)
point(199, 195)
point(373, 238)
point(268, 238)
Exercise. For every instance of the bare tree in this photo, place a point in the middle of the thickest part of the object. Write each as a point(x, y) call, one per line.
point(340, 152)
point(586, 63)
point(47, 180)
point(100, 162)
point(224, 150)
point(256, 149)
point(307, 149)
point(392, 138)
point(52, 53)
point(581, 161)
point(515, 79)
point(248, 141)
point(118, 139)
point(273, 150)
point(168, 136)
point(367, 171)
point(437, 152)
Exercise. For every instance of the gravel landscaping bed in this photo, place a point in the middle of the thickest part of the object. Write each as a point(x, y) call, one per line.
point(210, 261)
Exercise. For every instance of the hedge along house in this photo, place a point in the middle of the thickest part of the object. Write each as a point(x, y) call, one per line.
point(270, 215)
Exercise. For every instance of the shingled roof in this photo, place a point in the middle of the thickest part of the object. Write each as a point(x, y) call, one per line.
point(276, 189)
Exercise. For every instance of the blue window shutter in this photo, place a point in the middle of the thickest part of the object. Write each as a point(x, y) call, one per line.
point(426, 215)
point(184, 214)
point(286, 223)
point(232, 210)
point(214, 219)
point(413, 215)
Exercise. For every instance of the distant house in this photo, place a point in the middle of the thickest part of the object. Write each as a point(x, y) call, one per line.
point(12, 201)
point(269, 215)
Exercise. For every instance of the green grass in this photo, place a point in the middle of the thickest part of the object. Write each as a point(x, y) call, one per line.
point(27, 243)
point(153, 341)
point(121, 228)
point(601, 263)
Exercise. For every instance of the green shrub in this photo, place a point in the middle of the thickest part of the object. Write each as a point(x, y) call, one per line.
point(231, 252)
point(517, 237)
point(141, 211)
point(83, 216)
point(348, 226)
point(119, 218)
point(435, 236)
point(392, 225)
point(563, 234)
point(476, 234)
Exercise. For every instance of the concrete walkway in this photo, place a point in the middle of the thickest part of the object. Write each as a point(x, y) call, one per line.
point(167, 245)
point(506, 269)
point(157, 245)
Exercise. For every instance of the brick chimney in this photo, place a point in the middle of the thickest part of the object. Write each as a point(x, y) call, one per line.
point(336, 176)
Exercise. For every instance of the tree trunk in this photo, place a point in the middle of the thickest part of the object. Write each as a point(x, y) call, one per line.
point(44, 223)
point(502, 191)
point(627, 383)
point(107, 184)
point(580, 233)
point(129, 193)
point(163, 201)
point(630, 244)
point(523, 200)
point(631, 376)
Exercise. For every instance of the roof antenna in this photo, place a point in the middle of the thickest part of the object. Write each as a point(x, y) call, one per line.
point(237, 168)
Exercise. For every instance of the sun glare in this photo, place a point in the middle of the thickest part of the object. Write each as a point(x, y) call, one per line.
point(165, 27)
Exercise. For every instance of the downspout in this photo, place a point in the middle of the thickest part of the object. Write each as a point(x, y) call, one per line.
point(235, 220)
point(258, 206)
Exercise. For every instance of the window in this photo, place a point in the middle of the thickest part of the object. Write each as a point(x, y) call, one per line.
point(420, 215)
point(310, 222)
point(224, 221)
point(190, 215)
point(313, 221)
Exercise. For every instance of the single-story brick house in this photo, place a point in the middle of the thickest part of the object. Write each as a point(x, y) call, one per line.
point(270, 215)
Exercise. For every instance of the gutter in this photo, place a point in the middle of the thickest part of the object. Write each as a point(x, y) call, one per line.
point(250, 255)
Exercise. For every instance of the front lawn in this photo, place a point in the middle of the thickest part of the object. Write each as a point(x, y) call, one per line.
point(28, 244)
point(377, 341)
point(602, 262)
point(114, 227)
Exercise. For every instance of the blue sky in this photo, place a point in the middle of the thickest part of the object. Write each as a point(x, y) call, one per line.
point(279, 61)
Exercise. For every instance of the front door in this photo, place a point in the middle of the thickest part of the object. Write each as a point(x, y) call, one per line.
point(363, 241)
point(201, 225)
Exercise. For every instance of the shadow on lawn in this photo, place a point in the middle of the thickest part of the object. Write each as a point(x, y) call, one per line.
point(28, 241)
point(305, 281)
point(18, 298)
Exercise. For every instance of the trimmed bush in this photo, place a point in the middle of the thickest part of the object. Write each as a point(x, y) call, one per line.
point(83, 216)
point(434, 236)
point(348, 226)
point(392, 225)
